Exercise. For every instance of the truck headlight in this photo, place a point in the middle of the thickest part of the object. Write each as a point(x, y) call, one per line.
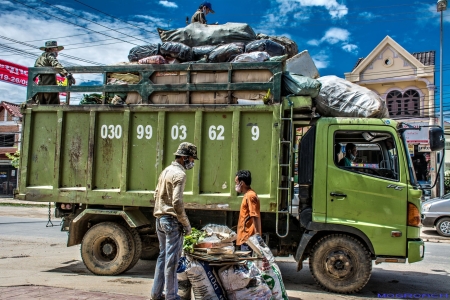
point(426, 207)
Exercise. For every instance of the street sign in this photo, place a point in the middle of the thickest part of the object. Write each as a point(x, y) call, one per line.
point(417, 136)
point(424, 148)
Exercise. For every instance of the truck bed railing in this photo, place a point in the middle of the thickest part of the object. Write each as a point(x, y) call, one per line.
point(146, 87)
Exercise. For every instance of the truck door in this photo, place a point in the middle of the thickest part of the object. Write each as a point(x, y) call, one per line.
point(369, 191)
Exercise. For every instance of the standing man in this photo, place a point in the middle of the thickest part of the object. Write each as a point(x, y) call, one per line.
point(48, 59)
point(249, 216)
point(171, 221)
point(204, 9)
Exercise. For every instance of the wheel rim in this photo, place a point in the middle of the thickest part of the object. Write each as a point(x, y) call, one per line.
point(105, 249)
point(445, 227)
point(339, 264)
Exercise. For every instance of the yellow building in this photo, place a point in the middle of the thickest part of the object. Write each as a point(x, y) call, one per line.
point(406, 82)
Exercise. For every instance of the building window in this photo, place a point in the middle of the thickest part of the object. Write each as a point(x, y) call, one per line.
point(403, 105)
point(7, 140)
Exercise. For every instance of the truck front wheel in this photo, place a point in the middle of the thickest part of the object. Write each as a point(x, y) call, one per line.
point(107, 249)
point(340, 263)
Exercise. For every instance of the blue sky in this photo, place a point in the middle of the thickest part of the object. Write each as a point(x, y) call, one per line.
point(335, 32)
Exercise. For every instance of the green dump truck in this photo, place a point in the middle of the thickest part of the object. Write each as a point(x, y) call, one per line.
point(100, 165)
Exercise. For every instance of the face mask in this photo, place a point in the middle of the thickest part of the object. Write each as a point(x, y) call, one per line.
point(352, 157)
point(237, 187)
point(188, 164)
point(54, 54)
point(205, 11)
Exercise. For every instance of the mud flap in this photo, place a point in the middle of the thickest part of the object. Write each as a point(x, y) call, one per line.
point(416, 251)
point(299, 255)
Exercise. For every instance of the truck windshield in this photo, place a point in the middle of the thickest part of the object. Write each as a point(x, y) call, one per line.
point(412, 174)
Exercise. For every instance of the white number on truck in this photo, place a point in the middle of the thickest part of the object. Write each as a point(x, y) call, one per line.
point(147, 132)
point(111, 132)
point(255, 133)
point(179, 132)
point(216, 133)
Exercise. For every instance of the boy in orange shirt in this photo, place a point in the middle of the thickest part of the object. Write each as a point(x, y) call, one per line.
point(249, 217)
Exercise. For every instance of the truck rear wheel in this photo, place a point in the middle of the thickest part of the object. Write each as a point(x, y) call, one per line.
point(340, 263)
point(107, 249)
point(137, 247)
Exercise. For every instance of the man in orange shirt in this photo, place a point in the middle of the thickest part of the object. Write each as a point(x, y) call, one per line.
point(249, 217)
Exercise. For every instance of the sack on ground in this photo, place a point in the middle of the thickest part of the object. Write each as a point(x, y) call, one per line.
point(196, 34)
point(260, 248)
point(176, 50)
point(139, 52)
point(226, 52)
point(155, 60)
point(274, 280)
point(200, 52)
point(290, 45)
point(184, 285)
point(300, 85)
point(205, 283)
point(257, 56)
point(244, 282)
point(341, 98)
point(271, 47)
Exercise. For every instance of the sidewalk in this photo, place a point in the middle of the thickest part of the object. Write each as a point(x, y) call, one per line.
point(26, 292)
point(427, 234)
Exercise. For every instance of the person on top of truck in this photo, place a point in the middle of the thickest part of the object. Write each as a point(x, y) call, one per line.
point(350, 155)
point(249, 222)
point(202, 11)
point(48, 59)
point(171, 221)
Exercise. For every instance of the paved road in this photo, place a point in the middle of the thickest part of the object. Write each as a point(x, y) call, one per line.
point(31, 254)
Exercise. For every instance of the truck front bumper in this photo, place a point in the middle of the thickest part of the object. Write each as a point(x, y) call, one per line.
point(416, 250)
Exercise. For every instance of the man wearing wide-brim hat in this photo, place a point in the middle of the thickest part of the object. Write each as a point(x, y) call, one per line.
point(48, 59)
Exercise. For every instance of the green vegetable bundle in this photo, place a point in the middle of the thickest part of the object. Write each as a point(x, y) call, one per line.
point(194, 238)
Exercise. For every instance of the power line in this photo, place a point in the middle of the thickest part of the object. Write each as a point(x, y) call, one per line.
point(111, 16)
point(96, 23)
point(53, 16)
point(62, 54)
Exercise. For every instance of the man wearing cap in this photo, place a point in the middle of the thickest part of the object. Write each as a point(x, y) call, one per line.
point(204, 9)
point(48, 59)
point(171, 221)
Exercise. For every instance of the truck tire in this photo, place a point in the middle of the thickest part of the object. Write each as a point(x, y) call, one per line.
point(340, 263)
point(443, 226)
point(137, 247)
point(107, 249)
point(150, 251)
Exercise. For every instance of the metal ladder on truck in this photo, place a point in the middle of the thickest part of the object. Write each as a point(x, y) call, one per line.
point(285, 163)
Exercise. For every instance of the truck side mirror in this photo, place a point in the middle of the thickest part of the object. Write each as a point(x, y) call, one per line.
point(437, 140)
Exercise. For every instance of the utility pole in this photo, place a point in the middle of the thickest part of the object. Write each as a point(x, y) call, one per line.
point(441, 7)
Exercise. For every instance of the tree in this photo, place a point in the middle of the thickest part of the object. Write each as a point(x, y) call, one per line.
point(14, 158)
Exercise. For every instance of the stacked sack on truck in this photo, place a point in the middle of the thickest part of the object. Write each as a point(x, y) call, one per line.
point(209, 270)
point(199, 43)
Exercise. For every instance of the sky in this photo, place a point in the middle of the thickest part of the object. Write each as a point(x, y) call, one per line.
point(335, 32)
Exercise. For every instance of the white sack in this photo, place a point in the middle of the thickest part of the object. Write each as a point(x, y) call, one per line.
point(341, 98)
point(205, 283)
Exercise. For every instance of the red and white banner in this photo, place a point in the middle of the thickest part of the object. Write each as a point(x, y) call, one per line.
point(17, 74)
point(13, 73)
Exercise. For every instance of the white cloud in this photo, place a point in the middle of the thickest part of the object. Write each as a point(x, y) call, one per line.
point(335, 35)
point(35, 28)
point(351, 48)
point(313, 42)
point(168, 4)
point(321, 60)
point(367, 15)
point(335, 9)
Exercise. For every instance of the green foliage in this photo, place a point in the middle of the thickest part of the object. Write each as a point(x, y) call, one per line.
point(14, 158)
point(190, 240)
point(91, 99)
